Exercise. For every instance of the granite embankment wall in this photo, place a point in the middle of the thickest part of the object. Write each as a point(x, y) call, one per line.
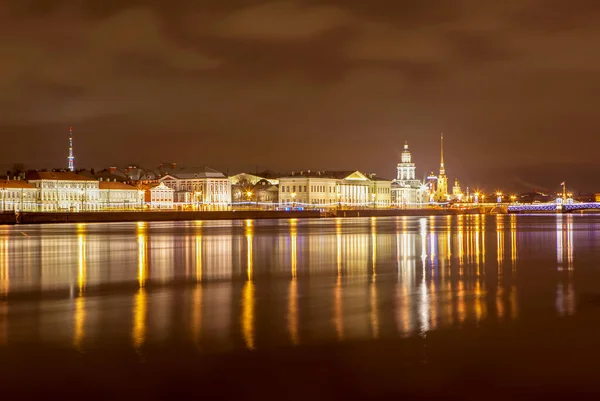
point(133, 216)
point(97, 217)
point(404, 212)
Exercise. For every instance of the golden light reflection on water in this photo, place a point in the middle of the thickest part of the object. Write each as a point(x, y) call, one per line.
point(197, 313)
point(293, 311)
point(249, 232)
point(419, 274)
point(79, 314)
point(4, 266)
point(338, 309)
point(142, 241)
point(139, 318)
point(248, 314)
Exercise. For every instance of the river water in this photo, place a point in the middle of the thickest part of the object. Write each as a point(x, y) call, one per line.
point(461, 293)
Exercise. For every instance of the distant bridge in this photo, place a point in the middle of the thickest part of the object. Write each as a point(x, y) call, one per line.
point(553, 207)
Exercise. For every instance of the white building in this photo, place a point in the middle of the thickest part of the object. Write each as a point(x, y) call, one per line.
point(118, 196)
point(197, 187)
point(407, 190)
point(161, 197)
point(17, 196)
point(334, 188)
point(64, 191)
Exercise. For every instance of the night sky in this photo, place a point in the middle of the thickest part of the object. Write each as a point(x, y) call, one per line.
point(290, 85)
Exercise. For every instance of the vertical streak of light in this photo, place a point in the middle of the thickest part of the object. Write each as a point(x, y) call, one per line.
point(81, 265)
point(249, 248)
point(198, 258)
point(197, 314)
point(461, 308)
point(79, 323)
point(570, 243)
point(339, 311)
point(499, 300)
point(461, 245)
point(514, 308)
point(477, 246)
point(374, 309)
point(293, 311)
point(248, 314)
point(479, 311)
point(294, 246)
point(142, 254)
point(500, 241)
point(373, 246)
point(4, 267)
point(79, 312)
point(513, 241)
point(139, 318)
point(483, 241)
point(559, 243)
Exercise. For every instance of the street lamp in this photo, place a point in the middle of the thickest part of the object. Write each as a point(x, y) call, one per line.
point(476, 197)
point(499, 197)
point(373, 200)
point(513, 198)
point(293, 199)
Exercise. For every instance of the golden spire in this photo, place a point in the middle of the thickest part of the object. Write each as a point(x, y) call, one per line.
point(442, 169)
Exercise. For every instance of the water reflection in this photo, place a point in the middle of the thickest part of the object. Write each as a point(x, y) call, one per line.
point(307, 280)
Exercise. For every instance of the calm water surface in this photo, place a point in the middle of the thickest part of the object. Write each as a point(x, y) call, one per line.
point(222, 287)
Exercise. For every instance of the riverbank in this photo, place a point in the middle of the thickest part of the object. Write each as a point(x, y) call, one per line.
point(147, 216)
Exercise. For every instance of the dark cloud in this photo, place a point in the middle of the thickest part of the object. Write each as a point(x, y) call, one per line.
point(297, 84)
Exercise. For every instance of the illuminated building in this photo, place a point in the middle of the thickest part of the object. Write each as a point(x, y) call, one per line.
point(334, 188)
point(441, 193)
point(17, 195)
point(117, 195)
point(260, 187)
point(457, 191)
point(198, 186)
point(161, 196)
point(406, 190)
point(64, 191)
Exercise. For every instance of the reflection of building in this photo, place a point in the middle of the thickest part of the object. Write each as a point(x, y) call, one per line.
point(117, 195)
point(17, 195)
point(331, 188)
point(406, 189)
point(64, 191)
point(194, 186)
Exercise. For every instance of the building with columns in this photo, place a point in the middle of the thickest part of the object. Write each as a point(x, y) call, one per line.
point(115, 195)
point(17, 196)
point(334, 189)
point(407, 190)
point(198, 187)
point(64, 191)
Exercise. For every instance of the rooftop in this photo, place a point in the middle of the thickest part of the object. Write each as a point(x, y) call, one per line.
point(116, 185)
point(57, 176)
point(15, 184)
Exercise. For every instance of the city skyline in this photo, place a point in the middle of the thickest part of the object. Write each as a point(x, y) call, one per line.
point(306, 84)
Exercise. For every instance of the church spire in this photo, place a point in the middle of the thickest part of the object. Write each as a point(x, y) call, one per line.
point(442, 169)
